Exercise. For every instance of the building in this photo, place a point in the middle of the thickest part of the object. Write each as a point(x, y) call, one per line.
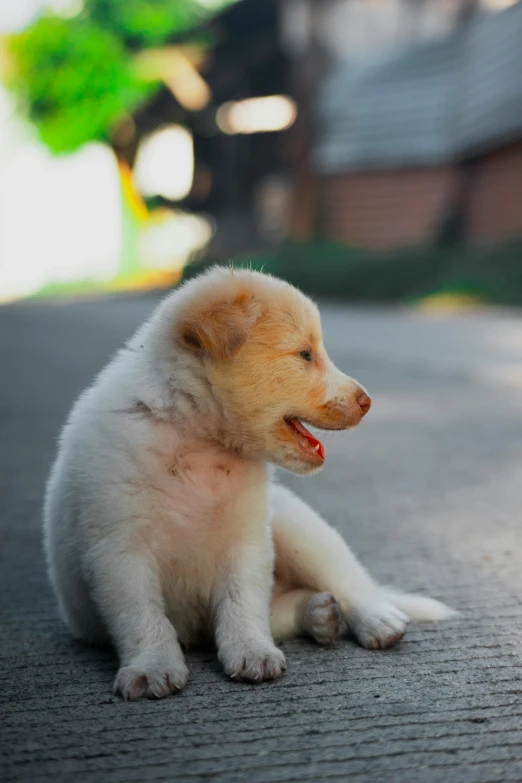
point(408, 127)
point(417, 141)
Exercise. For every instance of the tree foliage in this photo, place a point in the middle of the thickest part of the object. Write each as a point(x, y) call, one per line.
point(74, 77)
point(140, 23)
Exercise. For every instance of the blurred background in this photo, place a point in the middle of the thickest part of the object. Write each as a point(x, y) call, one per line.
point(370, 149)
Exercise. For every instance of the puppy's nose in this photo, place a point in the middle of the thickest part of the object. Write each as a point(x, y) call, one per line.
point(364, 403)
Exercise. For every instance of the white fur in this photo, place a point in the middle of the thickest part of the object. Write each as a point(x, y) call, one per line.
point(164, 527)
point(420, 607)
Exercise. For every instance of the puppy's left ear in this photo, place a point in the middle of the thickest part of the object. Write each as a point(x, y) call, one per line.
point(218, 328)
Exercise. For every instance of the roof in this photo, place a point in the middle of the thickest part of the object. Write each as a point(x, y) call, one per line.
point(432, 103)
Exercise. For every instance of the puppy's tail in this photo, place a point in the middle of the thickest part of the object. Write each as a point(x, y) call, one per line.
point(419, 607)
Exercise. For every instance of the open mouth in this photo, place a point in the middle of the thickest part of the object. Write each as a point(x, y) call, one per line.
point(307, 442)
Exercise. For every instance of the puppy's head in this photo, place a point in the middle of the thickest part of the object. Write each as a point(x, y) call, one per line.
point(259, 342)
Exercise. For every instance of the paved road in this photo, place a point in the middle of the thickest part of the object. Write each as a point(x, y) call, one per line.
point(428, 491)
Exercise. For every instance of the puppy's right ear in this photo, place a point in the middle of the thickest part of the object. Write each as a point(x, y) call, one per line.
point(217, 329)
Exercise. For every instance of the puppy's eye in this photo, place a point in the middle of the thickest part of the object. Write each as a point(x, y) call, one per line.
point(306, 355)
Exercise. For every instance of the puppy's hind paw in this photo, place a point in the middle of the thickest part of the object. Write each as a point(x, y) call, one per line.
point(377, 625)
point(152, 675)
point(322, 619)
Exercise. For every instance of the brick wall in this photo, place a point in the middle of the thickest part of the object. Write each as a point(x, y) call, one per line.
point(384, 209)
point(387, 209)
point(495, 204)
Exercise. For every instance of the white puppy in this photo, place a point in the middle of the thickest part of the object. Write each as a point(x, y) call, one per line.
point(163, 526)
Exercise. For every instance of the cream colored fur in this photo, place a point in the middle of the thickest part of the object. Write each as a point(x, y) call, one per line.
point(163, 525)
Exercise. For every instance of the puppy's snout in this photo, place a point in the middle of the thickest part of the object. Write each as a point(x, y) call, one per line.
point(364, 403)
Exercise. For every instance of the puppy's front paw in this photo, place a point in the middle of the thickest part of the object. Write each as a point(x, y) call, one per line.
point(322, 618)
point(377, 625)
point(253, 663)
point(154, 674)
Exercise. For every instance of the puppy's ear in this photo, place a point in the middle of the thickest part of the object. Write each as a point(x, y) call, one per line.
point(219, 328)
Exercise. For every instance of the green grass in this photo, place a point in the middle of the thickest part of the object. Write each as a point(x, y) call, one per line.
point(74, 289)
point(492, 274)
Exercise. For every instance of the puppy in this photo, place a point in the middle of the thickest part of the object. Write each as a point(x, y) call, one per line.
point(163, 525)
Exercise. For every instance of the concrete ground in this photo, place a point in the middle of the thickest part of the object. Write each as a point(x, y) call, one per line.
point(429, 493)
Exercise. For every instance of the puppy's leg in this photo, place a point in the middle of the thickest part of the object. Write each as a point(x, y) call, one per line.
point(127, 593)
point(301, 611)
point(311, 554)
point(242, 611)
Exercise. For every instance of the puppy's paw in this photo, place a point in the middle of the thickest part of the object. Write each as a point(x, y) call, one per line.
point(153, 674)
point(322, 618)
point(253, 663)
point(377, 625)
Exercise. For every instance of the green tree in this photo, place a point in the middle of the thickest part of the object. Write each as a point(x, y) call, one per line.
point(76, 78)
point(143, 23)
point(73, 80)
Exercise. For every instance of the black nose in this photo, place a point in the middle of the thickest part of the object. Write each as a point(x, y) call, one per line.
point(364, 403)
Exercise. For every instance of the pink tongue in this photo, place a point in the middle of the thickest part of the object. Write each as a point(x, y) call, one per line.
point(313, 442)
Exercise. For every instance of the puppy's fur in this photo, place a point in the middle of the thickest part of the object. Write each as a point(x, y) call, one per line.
point(163, 525)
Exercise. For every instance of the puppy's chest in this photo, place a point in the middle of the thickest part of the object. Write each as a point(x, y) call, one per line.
point(199, 488)
point(206, 502)
point(207, 470)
